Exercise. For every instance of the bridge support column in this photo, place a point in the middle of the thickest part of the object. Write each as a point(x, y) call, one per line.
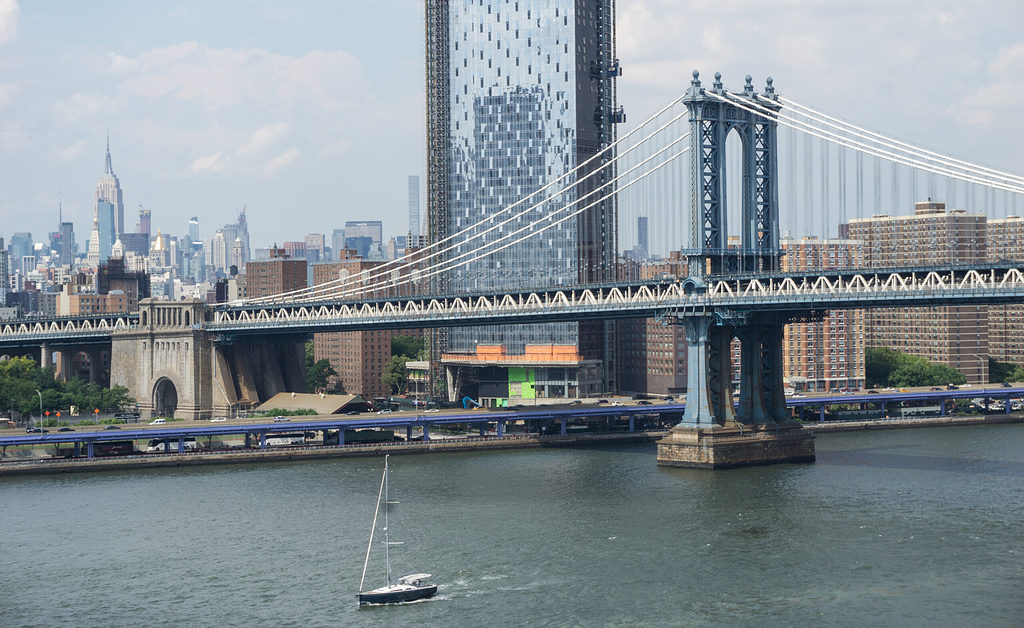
point(562, 425)
point(631, 422)
point(501, 428)
point(88, 450)
point(408, 433)
point(710, 436)
point(426, 432)
point(45, 356)
point(483, 429)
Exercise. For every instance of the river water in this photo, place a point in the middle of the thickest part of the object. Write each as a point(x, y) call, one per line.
point(909, 527)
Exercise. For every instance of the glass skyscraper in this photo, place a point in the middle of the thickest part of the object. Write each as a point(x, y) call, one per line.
point(519, 94)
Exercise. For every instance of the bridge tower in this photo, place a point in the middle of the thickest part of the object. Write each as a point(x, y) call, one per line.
point(715, 431)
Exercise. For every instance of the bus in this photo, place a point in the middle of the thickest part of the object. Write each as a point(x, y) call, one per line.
point(297, 439)
point(170, 445)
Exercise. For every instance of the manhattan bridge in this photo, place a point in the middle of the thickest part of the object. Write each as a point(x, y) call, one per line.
point(704, 170)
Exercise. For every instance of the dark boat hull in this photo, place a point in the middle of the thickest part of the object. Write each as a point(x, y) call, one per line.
point(394, 597)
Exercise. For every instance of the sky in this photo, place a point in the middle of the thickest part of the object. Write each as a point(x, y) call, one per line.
point(311, 113)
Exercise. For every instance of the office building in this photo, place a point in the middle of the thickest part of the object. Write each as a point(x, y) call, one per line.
point(108, 189)
point(364, 236)
point(316, 245)
point(19, 246)
point(956, 336)
point(145, 221)
point(337, 243)
point(5, 273)
point(193, 229)
point(68, 247)
point(518, 95)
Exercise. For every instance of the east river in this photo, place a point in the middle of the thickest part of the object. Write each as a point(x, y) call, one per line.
point(910, 527)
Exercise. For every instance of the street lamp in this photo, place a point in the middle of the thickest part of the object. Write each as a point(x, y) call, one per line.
point(40, 409)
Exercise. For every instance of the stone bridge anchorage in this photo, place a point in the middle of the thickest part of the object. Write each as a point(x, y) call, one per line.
point(173, 366)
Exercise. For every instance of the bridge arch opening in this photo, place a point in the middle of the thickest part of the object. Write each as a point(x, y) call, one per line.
point(735, 154)
point(165, 398)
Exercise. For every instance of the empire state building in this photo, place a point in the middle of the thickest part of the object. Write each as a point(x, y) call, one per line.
point(107, 215)
point(108, 189)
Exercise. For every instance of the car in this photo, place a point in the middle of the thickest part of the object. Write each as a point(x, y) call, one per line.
point(112, 427)
point(965, 385)
point(36, 430)
point(616, 403)
point(602, 401)
point(799, 396)
point(384, 411)
point(872, 392)
point(281, 419)
point(952, 387)
point(158, 422)
point(670, 398)
point(218, 419)
point(904, 390)
point(1006, 385)
point(643, 402)
point(934, 388)
point(352, 412)
point(66, 429)
point(576, 403)
point(431, 410)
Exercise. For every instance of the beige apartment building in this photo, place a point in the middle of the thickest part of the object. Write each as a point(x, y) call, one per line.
point(826, 354)
point(957, 336)
point(1006, 322)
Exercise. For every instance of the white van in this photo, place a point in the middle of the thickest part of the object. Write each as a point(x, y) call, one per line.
point(158, 421)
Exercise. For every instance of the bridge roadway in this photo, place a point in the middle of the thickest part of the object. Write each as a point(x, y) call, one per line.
point(422, 420)
point(779, 292)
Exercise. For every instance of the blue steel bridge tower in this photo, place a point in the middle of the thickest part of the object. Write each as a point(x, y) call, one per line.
point(715, 431)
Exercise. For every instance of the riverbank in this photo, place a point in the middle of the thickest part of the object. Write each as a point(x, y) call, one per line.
point(514, 441)
point(30, 466)
point(899, 424)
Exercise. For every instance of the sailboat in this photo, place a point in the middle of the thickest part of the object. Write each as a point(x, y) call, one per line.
point(404, 589)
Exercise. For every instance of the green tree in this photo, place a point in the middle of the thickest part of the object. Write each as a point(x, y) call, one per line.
point(887, 367)
point(394, 374)
point(20, 378)
point(408, 346)
point(319, 377)
point(1004, 371)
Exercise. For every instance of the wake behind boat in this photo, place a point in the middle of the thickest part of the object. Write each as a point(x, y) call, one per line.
point(405, 589)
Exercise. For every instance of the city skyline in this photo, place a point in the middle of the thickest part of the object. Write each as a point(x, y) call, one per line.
point(310, 118)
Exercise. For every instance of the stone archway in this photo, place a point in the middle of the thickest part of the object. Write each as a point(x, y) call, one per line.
point(165, 398)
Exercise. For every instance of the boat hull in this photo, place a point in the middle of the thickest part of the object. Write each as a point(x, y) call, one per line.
point(395, 597)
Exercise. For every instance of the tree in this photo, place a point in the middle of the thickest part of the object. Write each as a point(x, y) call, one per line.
point(394, 374)
point(408, 346)
point(319, 377)
point(887, 367)
point(1004, 371)
point(20, 378)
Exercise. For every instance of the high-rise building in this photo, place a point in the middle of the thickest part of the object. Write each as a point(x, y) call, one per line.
point(315, 245)
point(826, 354)
point(5, 273)
point(337, 243)
point(274, 276)
point(643, 242)
point(108, 189)
point(414, 205)
point(1006, 322)
point(20, 246)
point(519, 95)
point(360, 358)
point(362, 235)
point(67, 243)
point(956, 336)
point(145, 221)
point(193, 229)
point(238, 230)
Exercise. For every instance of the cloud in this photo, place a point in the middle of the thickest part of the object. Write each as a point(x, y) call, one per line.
point(80, 106)
point(223, 78)
point(263, 138)
point(209, 163)
point(8, 20)
point(282, 161)
point(74, 151)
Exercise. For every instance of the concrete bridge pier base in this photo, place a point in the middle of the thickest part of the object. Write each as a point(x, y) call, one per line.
point(710, 436)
